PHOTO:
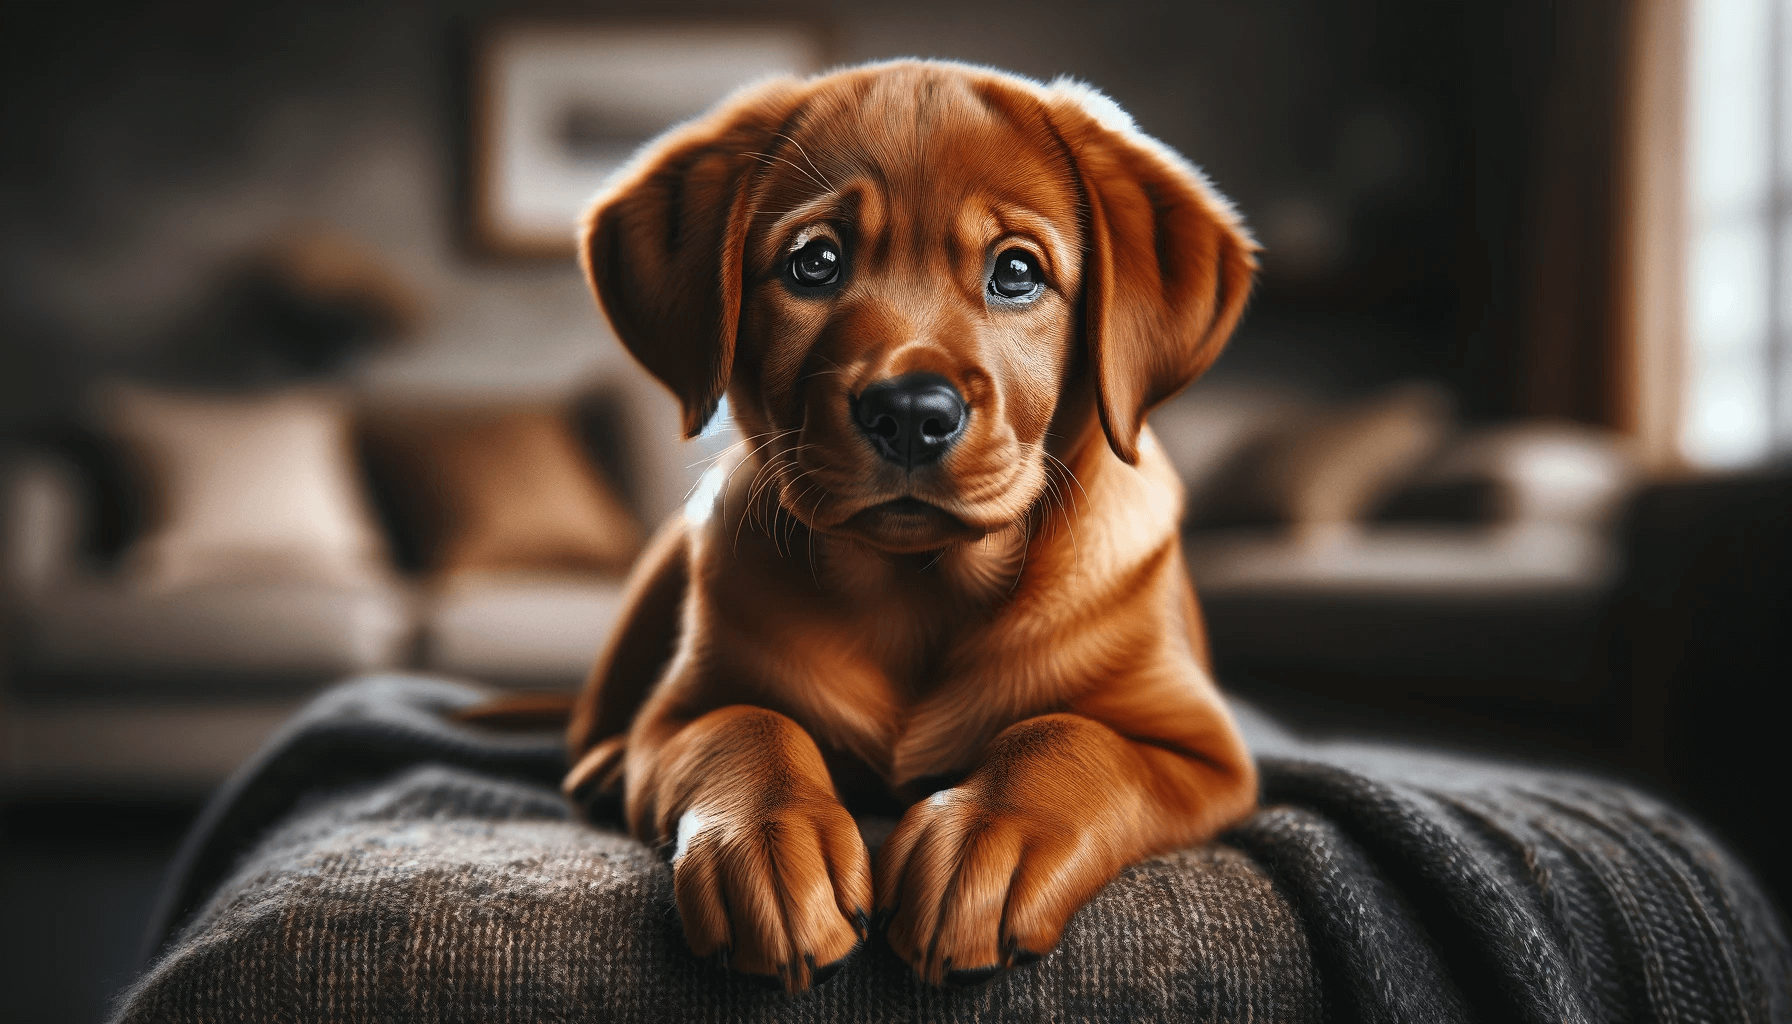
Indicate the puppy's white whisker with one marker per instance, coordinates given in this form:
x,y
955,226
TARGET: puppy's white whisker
x,y
811,163
1067,471
768,157
760,491
1026,545
1070,515
791,521
770,438
790,484
753,513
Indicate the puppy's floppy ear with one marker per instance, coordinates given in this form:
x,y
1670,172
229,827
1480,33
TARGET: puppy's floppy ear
x,y
1169,266
662,246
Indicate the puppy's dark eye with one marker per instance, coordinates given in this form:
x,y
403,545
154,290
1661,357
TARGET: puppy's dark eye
x,y
1016,275
815,265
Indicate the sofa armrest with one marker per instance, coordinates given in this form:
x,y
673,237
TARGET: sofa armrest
x,y
1523,473
41,521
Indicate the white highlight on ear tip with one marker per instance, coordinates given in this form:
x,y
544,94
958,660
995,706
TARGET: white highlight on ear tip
x,y
702,502
1098,104
940,799
689,824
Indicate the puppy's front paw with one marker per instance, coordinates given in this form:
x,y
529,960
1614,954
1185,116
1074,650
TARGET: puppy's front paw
x,y
779,891
970,888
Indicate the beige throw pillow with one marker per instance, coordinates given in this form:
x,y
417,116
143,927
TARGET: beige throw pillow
x,y
245,488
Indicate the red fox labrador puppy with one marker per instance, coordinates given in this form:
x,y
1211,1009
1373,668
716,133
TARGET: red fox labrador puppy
x,y
943,573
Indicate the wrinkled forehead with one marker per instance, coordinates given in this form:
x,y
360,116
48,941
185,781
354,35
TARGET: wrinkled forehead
x,y
923,154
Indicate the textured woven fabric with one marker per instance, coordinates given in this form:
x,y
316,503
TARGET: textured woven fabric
x,y
449,896
378,863
1452,890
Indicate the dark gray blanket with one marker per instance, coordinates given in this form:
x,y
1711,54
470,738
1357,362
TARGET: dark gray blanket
x,y
377,862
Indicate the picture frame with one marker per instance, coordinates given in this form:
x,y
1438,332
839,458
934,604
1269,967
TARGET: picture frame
x,y
556,107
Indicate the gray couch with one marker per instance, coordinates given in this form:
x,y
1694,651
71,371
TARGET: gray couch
x,y
1474,584
106,686
1506,589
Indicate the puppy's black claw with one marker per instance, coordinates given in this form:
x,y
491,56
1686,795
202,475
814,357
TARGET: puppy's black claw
x,y
1024,957
972,978
820,975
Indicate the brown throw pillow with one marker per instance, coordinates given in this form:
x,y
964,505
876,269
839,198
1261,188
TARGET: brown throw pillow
x,y
499,489
1331,465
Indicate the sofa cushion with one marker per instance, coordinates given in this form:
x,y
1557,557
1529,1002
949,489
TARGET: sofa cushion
x,y
519,629
248,635
1410,560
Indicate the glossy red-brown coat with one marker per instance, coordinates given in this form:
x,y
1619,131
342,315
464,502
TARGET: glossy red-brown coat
x,y
1022,666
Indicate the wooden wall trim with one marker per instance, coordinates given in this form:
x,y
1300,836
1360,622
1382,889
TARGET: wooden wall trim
x,y
1647,372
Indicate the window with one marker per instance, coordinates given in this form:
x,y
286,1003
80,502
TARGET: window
x,y
1738,388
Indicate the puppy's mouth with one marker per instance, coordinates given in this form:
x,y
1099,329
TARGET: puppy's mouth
x,y
909,507
908,524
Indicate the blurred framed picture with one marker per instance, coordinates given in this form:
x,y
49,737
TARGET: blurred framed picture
x,y
557,107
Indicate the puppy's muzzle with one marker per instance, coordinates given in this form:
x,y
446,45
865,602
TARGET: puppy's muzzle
x,y
913,419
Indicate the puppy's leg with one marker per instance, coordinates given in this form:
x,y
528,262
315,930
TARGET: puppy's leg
x,y
769,868
985,875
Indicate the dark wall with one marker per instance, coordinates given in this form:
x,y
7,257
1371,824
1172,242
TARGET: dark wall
x,y
1378,149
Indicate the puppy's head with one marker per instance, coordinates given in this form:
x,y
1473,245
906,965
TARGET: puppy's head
x,y
904,274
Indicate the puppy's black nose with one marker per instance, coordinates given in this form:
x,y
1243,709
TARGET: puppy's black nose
x,y
912,419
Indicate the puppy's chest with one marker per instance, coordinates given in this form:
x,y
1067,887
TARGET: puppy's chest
x,y
883,676
889,664
900,647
